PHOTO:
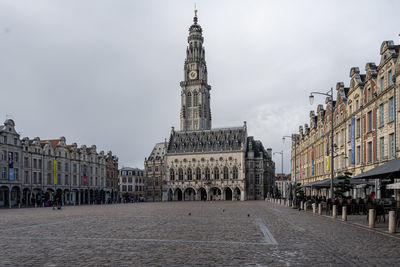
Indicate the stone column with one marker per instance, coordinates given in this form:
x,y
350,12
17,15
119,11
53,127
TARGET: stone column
x,y
371,218
344,213
334,211
62,197
79,197
20,198
30,197
392,222
9,198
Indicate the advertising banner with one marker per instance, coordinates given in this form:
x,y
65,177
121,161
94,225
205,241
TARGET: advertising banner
x,y
10,166
55,172
327,163
10,160
352,156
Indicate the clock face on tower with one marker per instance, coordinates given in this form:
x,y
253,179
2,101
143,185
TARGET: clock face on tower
x,y
193,74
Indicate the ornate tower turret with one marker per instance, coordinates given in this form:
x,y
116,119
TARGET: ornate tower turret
x,y
195,94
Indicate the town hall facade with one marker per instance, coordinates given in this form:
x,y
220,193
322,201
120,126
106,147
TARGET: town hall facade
x,y
199,162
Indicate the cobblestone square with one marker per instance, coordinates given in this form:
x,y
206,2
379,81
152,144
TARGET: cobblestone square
x,y
187,233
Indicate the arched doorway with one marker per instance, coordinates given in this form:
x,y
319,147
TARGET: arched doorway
x,y
59,196
37,197
75,196
102,196
66,196
189,194
48,197
25,197
228,194
202,193
108,197
86,196
91,196
215,193
4,192
178,194
236,193
15,196
170,195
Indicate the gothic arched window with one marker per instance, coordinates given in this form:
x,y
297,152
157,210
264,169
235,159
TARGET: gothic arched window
x,y
189,174
195,95
180,174
207,174
189,99
235,173
216,173
198,173
226,173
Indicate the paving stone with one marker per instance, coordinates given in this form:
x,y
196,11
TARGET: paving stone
x,y
163,234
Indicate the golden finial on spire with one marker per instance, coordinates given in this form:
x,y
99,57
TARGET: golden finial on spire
x,y
195,10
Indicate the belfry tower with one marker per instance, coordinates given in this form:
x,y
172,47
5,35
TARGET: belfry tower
x,y
195,94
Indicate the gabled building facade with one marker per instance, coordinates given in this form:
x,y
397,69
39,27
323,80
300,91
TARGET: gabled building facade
x,y
366,123
36,172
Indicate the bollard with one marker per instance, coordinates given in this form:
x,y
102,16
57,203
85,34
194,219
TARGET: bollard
x,y
334,211
344,213
305,206
301,205
371,218
392,222
313,207
320,209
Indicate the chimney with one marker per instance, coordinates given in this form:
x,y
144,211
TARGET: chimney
x,y
269,152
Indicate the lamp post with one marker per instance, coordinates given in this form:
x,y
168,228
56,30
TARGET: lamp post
x,y
329,94
294,136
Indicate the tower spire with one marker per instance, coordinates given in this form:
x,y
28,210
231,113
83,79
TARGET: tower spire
x,y
195,14
195,95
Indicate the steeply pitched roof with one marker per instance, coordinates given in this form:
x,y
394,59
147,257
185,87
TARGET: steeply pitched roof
x,y
158,151
220,139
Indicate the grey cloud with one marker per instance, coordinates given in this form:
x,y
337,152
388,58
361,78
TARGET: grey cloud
x,y
108,72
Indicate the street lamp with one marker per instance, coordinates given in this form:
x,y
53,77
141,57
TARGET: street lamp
x,y
329,94
294,136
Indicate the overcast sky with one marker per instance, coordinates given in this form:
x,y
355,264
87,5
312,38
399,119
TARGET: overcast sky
x,y
108,72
